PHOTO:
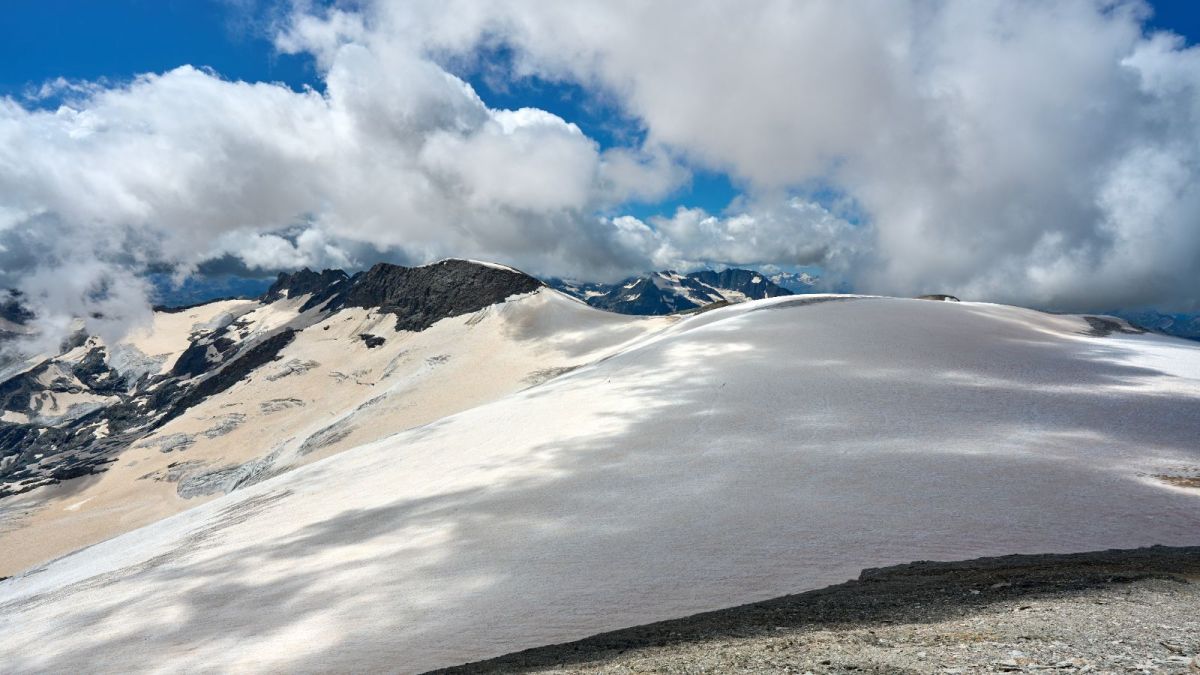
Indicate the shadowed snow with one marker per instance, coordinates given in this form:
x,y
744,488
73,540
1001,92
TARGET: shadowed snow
x,y
737,456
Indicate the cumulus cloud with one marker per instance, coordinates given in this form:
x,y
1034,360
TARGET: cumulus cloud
x,y
1038,152
794,232
270,251
1035,152
396,154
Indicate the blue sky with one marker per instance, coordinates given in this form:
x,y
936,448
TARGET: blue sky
x,y
81,40
116,39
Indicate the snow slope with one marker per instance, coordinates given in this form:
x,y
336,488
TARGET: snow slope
x,y
676,476
327,392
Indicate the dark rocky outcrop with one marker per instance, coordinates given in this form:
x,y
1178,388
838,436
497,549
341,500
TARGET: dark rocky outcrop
x,y
94,372
16,392
417,296
65,452
232,373
307,282
1102,326
422,296
938,296
372,341
1184,325
916,618
748,282
204,353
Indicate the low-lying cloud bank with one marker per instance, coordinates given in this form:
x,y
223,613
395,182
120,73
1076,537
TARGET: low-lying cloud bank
x,y
1029,152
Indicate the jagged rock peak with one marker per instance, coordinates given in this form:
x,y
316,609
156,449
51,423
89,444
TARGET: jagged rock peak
x,y
303,282
753,284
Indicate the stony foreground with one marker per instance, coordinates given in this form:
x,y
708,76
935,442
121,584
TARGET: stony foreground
x,y
1105,612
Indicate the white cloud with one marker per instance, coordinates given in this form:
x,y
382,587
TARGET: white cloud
x,y
794,232
982,140
269,251
396,154
523,159
1037,152
644,174
108,299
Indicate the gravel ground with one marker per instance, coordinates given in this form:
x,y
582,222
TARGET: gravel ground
x,y
1104,612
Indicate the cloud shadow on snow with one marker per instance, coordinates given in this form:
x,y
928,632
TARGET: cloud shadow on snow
x,y
839,471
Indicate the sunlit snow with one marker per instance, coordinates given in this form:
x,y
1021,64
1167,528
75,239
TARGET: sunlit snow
x,y
747,452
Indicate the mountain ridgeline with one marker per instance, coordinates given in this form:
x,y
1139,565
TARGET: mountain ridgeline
x,y
668,291
71,414
417,296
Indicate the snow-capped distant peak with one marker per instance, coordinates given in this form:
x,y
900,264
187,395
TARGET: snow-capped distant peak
x,y
669,291
796,282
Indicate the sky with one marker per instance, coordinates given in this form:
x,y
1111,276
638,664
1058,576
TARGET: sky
x,y
1038,153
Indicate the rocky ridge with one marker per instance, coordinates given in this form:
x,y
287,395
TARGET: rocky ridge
x,y
70,414
1114,611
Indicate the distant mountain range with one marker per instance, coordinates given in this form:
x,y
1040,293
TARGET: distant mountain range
x,y
668,291
1179,325
798,282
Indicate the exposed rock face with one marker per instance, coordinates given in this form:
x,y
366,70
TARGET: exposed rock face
x,y
644,297
261,354
67,418
372,341
417,296
749,283
938,296
422,296
900,619
16,393
203,354
95,374
1103,326
305,281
